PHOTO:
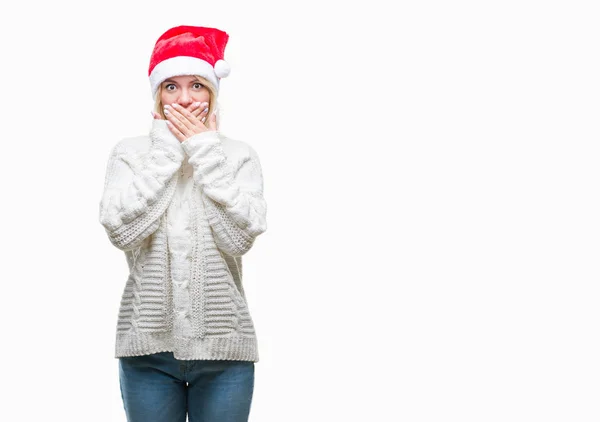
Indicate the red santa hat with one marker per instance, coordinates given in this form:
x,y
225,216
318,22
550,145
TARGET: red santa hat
x,y
189,50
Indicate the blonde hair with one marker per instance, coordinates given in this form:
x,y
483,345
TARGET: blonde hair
x,y
212,106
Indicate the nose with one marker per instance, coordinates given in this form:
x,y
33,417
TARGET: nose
x,y
185,99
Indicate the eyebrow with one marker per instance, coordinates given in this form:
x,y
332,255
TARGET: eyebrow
x,y
173,82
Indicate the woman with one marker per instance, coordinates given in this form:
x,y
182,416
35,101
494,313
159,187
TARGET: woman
x,y
184,204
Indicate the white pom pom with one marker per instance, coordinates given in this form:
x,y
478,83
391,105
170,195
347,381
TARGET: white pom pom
x,y
222,68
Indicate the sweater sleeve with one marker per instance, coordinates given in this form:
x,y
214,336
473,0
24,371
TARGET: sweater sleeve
x,y
138,189
233,192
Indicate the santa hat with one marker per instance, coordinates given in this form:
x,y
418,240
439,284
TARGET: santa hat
x,y
189,50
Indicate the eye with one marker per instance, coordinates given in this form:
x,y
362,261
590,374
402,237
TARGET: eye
x,y
198,85
168,87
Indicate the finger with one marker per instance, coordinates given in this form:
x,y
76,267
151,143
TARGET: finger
x,y
192,122
155,115
212,121
181,122
200,109
184,116
178,120
195,109
204,116
175,123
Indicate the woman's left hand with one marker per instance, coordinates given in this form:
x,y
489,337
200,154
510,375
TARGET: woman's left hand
x,y
184,124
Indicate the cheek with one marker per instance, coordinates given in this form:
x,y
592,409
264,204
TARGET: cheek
x,y
165,97
203,96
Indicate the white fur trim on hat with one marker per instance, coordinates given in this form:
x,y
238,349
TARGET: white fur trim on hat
x,y
179,66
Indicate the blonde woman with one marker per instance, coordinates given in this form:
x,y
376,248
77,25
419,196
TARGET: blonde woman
x,y
185,203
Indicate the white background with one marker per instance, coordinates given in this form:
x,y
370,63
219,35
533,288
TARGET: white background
x,y
432,178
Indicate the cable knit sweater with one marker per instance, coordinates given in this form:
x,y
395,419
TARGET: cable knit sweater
x,y
184,213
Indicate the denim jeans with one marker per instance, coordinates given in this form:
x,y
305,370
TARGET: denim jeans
x,y
160,388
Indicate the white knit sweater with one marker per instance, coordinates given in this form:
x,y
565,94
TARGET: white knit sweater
x,y
184,213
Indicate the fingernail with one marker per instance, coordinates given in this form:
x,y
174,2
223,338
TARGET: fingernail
x,y
175,105
196,105
205,110
203,119
166,111
205,104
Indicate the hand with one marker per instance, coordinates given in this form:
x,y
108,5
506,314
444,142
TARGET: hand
x,y
184,124
197,110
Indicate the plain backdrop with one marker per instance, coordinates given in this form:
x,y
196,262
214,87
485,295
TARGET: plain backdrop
x,y
431,174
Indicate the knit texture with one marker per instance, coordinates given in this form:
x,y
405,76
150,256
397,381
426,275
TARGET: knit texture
x,y
184,214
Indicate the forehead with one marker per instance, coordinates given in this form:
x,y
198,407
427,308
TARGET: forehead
x,y
181,79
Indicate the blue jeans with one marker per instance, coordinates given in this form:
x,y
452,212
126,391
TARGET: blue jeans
x,y
160,388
